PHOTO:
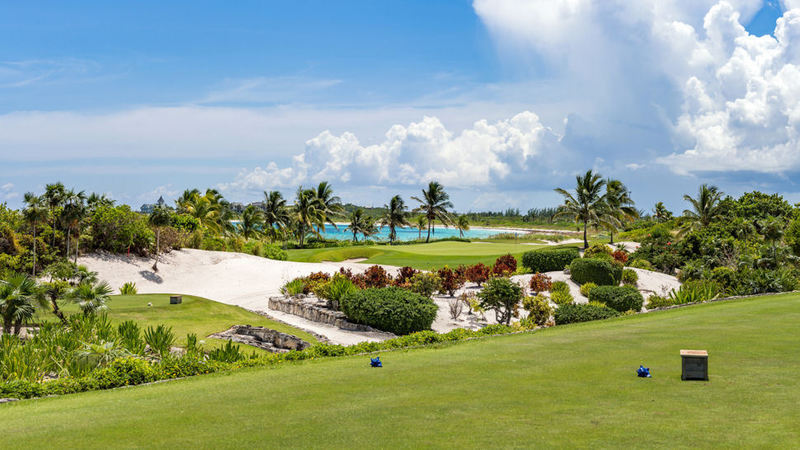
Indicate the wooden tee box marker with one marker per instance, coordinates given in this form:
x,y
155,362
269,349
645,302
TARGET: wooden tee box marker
x,y
694,365
175,299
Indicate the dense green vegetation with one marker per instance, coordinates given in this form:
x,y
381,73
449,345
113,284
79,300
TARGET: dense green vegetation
x,y
565,386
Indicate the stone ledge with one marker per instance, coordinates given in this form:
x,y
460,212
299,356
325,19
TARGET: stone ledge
x,y
306,309
263,338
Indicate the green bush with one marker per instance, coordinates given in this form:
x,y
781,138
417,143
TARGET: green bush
x,y
582,312
598,271
390,309
124,372
586,288
128,288
335,290
601,251
641,264
559,286
501,295
425,283
620,298
539,309
561,297
294,287
160,339
273,251
549,260
117,229
629,277
657,301
696,291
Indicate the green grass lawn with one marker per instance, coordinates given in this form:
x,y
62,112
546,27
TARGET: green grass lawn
x,y
195,315
571,386
418,256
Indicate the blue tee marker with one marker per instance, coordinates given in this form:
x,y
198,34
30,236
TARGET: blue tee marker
x,y
643,372
375,362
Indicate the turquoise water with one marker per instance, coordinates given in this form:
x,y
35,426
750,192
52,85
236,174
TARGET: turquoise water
x,y
407,233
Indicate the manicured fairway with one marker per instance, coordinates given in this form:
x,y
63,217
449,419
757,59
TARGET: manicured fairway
x,y
568,386
195,315
419,256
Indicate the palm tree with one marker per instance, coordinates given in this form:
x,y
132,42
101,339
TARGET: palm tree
x,y
276,214
95,201
434,206
17,294
357,222
462,224
705,208
54,197
252,219
587,204
421,224
661,213
53,292
395,216
35,213
204,209
370,227
73,214
159,218
328,204
306,214
92,297
619,205
185,199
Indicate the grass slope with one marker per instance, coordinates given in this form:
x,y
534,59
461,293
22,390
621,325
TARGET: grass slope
x,y
195,315
567,386
418,256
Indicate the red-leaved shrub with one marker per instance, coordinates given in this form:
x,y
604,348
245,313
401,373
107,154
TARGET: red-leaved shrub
x,y
450,279
404,276
376,277
621,256
540,282
505,266
478,273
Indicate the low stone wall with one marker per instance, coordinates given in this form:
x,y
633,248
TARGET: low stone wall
x,y
264,338
306,309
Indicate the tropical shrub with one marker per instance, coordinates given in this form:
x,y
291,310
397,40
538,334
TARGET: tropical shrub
x,y
629,277
559,286
478,273
598,251
294,287
641,264
425,283
586,288
451,281
160,339
620,298
620,256
125,372
335,290
128,288
561,297
404,276
582,312
549,260
456,307
695,291
657,301
390,309
598,271
273,251
539,309
540,282
118,229
503,296
376,277
227,353
131,337
505,266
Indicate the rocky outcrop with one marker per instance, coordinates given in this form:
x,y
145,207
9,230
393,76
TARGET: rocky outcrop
x,y
264,338
316,311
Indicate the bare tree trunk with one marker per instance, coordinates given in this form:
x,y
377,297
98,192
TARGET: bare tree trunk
x,y
585,241
158,245
33,271
77,244
7,325
17,327
429,232
69,233
611,232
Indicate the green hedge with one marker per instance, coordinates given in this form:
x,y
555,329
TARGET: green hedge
x,y
619,298
392,309
582,312
597,271
549,260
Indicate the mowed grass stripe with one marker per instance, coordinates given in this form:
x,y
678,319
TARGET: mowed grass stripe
x,y
567,386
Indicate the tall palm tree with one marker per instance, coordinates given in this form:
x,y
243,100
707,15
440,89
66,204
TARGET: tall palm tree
x,y
158,219
95,201
92,297
395,216
462,224
586,205
252,220
54,197
433,205
328,204
73,215
306,214
370,227
188,196
276,214
357,222
204,210
620,206
17,295
704,209
661,213
35,213
421,224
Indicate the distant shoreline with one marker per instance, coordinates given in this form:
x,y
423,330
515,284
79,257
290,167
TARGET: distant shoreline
x,y
500,229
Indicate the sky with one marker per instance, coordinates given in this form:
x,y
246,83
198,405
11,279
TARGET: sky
x,y
499,100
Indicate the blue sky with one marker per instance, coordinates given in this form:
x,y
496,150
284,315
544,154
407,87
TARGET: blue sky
x,y
140,99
